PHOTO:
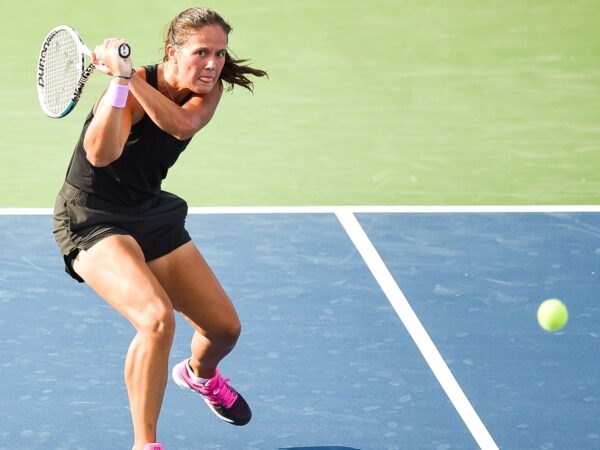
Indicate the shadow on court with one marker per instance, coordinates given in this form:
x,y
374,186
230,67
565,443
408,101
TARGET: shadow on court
x,y
319,448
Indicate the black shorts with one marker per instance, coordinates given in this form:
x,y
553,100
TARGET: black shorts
x,y
81,220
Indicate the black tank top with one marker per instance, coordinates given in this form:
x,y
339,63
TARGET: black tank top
x,y
136,176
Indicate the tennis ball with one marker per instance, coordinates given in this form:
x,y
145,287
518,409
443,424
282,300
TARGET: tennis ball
x,y
552,315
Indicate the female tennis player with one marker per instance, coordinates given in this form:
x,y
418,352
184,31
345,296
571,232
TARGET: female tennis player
x,y
125,237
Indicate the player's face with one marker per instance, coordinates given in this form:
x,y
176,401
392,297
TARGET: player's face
x,y
201,59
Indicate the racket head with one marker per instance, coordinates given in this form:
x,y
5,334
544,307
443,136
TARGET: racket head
x,y
61,71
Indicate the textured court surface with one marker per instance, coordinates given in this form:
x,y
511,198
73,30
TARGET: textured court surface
x,y
324,359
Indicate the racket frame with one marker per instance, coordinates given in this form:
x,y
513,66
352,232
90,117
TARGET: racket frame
x,y
84,72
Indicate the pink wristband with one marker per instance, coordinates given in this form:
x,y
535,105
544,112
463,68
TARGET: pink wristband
x,y
116,94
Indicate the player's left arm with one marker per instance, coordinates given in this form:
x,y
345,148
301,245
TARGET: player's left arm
x,y
182,121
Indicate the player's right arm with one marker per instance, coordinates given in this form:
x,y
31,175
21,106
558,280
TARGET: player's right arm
x,y
107,132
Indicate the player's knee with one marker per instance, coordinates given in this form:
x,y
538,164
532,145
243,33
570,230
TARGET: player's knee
x,y
224,334
158,325
229,333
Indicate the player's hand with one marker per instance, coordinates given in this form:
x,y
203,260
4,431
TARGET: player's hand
x,y
107,59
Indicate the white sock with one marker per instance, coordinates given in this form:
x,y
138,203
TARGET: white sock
x,y
196,379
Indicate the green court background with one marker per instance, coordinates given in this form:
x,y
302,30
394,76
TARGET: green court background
x,y
368,103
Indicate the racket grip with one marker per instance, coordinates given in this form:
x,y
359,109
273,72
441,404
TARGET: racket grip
x,y
124,50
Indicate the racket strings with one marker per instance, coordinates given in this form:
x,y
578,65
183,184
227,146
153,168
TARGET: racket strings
x,y
62,72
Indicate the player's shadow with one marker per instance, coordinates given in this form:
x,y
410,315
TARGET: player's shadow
x,y
334,447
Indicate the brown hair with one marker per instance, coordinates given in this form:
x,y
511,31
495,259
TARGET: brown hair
x,y
185,23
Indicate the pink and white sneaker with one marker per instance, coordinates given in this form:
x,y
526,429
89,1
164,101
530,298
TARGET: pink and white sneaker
x,y
155,446
222,399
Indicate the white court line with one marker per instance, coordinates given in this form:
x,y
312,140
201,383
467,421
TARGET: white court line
x,y
393,209
354,209
25,211
416,330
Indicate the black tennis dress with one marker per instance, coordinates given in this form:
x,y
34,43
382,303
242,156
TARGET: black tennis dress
x,y
124,197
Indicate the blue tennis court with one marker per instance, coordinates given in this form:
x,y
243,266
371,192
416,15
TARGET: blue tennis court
x,y
324,359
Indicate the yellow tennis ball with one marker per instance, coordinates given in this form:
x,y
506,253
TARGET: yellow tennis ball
x,y
552,315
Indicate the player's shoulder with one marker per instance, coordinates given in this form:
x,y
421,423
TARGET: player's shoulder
x,y
199,99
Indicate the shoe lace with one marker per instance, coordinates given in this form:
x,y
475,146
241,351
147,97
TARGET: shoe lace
x,y
221,393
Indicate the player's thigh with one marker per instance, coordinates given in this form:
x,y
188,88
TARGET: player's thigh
x,y
195,291
115,268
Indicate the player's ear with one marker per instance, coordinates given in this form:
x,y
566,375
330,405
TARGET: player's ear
x,y
171,52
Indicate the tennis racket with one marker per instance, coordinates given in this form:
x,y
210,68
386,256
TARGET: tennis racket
x,y
61,71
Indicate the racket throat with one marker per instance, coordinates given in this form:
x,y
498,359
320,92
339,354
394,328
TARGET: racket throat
x,y
82,80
